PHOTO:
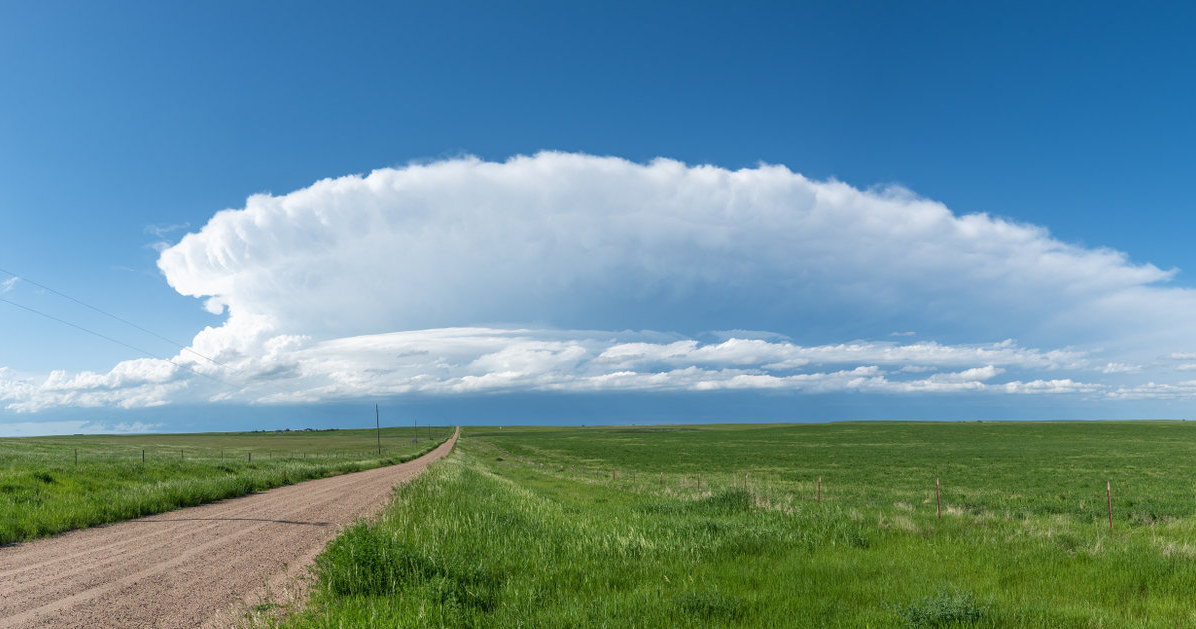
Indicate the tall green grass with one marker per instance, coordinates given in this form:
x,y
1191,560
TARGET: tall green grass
x,y
530,528
43,491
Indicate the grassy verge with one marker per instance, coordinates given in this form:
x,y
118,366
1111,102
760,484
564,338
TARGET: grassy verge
x,y
517,529
44,492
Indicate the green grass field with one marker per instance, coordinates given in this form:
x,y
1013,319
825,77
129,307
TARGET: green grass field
x,y
575,527
53,484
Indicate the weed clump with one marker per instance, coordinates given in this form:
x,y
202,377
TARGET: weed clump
x,y
370,561
367,561
946,607
710,605
727,501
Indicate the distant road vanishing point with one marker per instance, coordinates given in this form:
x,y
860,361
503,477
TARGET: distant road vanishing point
x,y
200,566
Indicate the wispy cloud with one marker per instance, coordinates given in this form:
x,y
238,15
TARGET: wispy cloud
x,y
162,231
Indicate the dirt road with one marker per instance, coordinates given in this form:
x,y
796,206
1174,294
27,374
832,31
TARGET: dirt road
x,y
200,566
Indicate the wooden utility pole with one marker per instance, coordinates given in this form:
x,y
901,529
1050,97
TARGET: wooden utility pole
x,y
378,427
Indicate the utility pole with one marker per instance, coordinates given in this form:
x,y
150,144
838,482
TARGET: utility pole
x,y
415,421
378,427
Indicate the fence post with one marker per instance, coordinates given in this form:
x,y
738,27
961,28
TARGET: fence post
x,y
143,456
251,456
938,496
819,490
1109,495
76,456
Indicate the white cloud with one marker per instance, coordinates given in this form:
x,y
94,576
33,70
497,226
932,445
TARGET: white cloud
x,y
131,384
1058,386
481,360
389,283
489,360
8,284
1154,390
573,240
788,356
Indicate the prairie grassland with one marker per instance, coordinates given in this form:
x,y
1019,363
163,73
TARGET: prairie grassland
x,y
572,527
44,491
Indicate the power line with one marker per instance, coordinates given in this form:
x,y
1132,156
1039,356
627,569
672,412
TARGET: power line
x,y
108,314
109,338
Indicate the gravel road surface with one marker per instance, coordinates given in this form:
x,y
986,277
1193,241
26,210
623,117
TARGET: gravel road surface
x,y
200,566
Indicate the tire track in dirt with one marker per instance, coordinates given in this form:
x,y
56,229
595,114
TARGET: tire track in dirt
x,y
198,566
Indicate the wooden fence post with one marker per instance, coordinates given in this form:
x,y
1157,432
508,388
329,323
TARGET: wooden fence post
x,y
1109,495
938,496
819,490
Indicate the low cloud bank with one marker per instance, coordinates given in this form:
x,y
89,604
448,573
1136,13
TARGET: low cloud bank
x,y
488,360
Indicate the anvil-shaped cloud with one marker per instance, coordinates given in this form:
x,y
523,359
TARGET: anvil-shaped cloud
x,y
570,272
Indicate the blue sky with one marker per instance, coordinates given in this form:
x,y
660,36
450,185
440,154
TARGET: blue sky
x,y
613,212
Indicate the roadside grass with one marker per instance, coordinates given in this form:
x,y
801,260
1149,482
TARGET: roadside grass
x,y
551,527
44,492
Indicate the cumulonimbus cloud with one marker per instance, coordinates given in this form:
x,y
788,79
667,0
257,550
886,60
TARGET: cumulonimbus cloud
x,y
576,241
465,275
